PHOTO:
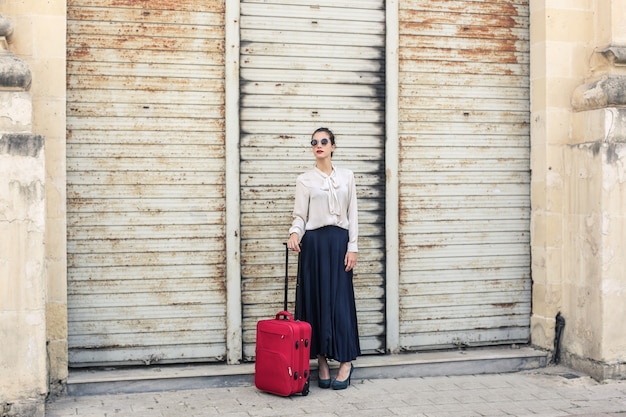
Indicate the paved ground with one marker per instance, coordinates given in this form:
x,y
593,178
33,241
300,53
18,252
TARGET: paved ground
x,y
550,391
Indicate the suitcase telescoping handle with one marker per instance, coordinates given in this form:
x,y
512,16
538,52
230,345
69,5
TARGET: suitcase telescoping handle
x,y
287,276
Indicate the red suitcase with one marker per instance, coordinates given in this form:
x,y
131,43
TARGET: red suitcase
x,y
282,364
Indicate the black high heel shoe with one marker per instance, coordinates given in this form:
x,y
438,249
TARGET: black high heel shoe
x,y
343,384
323,383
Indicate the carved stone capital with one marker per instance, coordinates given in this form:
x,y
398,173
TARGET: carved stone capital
x,y
14,72
608,91
616,54
6,27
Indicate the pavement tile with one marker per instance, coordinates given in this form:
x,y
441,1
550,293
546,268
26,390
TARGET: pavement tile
x,y
608,406
542,406
469,398
424,409
604,391
374,404
498,395
496,382
229,414
554,413
396,385
483,410
442,413
442,398
405,412
512,409
543,393
413,400
443,384
459,408
618,414
469,382
362,413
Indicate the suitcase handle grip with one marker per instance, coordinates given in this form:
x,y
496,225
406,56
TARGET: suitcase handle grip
x,y
287,274
285,315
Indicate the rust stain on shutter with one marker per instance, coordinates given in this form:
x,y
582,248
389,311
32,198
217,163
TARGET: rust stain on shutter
x,y
146,194
464,173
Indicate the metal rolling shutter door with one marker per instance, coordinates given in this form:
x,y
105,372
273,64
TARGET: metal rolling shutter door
x,y
464,173
305,66
145,182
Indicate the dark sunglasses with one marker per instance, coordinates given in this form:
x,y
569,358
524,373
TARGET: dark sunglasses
x,y
324,142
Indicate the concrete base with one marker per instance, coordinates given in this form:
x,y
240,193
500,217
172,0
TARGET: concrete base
x,y
178,377
31,408
599,371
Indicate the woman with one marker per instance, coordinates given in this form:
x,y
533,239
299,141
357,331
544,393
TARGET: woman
x,y
325,231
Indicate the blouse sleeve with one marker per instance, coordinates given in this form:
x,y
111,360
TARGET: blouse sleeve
x,y
300,209
353,217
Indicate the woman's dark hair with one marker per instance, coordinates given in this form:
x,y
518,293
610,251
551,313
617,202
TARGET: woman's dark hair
x,y
331,136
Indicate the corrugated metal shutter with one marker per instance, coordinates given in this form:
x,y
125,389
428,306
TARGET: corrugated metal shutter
x,y
304,66
464,173
145,173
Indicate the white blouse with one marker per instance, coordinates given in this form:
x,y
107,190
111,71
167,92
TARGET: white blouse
x,y
326,200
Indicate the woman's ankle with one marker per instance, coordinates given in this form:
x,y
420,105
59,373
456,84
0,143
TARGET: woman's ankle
x,y
344,370
323,369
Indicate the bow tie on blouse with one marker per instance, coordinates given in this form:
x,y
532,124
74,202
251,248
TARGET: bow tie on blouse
x,y
330,184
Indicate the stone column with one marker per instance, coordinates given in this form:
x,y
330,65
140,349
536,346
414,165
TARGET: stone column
x,y
596,231
595,226
23,368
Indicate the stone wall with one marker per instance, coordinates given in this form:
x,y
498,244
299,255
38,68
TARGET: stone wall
x,y
558,47
23,364
596,230
23,374
39,40
578,156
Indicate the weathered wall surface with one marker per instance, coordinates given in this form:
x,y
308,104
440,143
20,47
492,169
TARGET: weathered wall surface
x,y
23,364
23,383
39,39
555,48
578,150
595,285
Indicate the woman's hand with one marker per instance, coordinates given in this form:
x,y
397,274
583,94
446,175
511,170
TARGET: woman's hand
x,y
350,260
293,242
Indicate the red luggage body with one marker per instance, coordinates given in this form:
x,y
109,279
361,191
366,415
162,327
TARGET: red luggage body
x,y
282,364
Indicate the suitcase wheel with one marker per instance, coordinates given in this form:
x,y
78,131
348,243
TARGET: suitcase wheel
x,y
305,389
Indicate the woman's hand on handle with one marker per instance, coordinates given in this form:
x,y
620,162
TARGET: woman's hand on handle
x,y
293,242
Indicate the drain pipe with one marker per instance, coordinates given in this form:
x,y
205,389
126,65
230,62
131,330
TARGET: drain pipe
x,y
558,332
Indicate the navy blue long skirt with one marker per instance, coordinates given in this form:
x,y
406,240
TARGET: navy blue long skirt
x,y
325,295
